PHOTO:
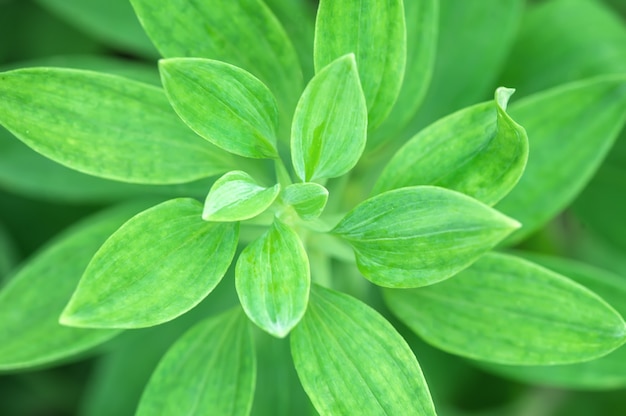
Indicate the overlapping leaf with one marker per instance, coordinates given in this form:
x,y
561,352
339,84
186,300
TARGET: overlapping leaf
x,y
307,198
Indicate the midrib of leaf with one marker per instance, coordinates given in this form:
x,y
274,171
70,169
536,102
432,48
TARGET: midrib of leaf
x,y
413,237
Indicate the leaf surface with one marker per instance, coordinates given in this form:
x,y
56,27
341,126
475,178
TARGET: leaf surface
x,y
307,198
330,123
349,357
417,236
210,370
375,32
157,266
273,280
105,126
506,310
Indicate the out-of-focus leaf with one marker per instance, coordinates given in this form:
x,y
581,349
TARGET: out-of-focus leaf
x,y
168,252
506,310
419,235
224,104
330,123
566,145
211,370
31,302
374,31
273,280
105,125
307,198
349,357
8,254
480,151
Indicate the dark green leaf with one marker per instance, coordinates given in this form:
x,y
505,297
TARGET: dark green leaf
x,y
211,370
273,280
330,124
105,125
420,235
167,252
349,357
506,310
307,198
375,32
8,255
479,151
224,104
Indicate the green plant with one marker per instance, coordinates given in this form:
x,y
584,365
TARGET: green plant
x,y
324,196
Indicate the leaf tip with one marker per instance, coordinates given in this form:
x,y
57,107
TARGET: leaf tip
x,y
502,96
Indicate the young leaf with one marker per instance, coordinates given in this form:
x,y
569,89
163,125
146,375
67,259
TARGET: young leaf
x,y
157,266
236,197
308,199
31,302
273,279
420,235
330,124
506,310
105,125
349,357
479,151
211,370
558,169
224,104
243,33
374,30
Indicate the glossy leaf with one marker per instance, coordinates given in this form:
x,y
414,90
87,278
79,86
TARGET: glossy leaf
x,y
236,196
480,151
211,370
224,104
105,126
420,235
31,302
225,30
349,357
330,124
506,310
273,279
567,146
375,32
307,198
167,252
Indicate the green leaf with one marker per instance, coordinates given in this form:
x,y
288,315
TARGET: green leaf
x,y
506,310
211,370
31,302
168,252
224,104
105,126
558,169
243,33
236,196
349,357
330,124
420,235
273,280
603,373
8,255
479,151
375,32
307,198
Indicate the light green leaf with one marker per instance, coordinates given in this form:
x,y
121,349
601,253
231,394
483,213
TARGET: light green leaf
x,y
273,280
243,33
236,196
374,30
567,146
603,373
506,310
349,357
307,198
479,151
105,126
224,104
420,235
31,302
211,370
330,124
168,252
